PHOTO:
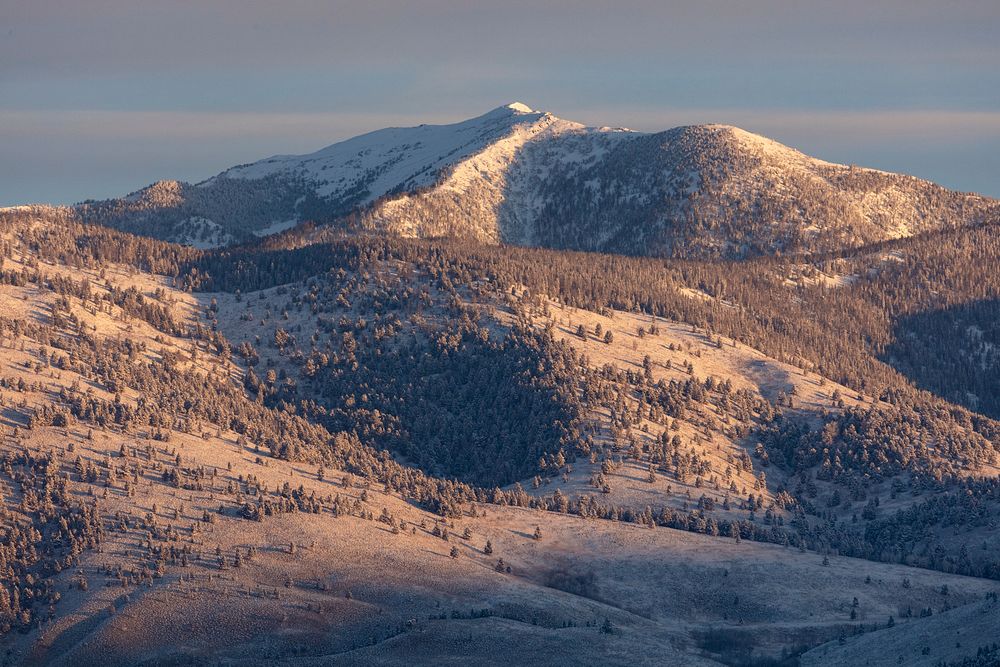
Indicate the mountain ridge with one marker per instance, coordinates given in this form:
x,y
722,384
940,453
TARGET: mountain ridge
x,y
525,177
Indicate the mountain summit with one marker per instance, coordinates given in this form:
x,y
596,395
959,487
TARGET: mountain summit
x,y
520,107
520,176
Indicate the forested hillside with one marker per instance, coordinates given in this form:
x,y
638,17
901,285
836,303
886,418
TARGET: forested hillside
x,y
176,420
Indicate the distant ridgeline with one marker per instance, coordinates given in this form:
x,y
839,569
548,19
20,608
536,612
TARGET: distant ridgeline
x,y
524,177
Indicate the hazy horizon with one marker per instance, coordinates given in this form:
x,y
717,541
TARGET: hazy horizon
x,y
103,99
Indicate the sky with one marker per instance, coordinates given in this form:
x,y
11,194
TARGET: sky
x,y
103,97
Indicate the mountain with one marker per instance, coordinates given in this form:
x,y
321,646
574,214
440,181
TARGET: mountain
x,y
383,450
525,177
350,444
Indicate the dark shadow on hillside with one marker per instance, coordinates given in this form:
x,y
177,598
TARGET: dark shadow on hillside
x,y
953,352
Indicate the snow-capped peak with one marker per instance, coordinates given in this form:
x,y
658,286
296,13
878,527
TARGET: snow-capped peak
x,y
362,169
519,111
520,107
517,175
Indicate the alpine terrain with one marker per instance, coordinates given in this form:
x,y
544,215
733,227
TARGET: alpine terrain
x,y
508,391
525,177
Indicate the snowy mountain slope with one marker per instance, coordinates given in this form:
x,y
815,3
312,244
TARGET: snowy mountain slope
x,y
521,176
706,191
359,170
499,193
275,193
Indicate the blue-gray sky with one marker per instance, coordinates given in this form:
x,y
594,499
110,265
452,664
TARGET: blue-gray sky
x,y
99,98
